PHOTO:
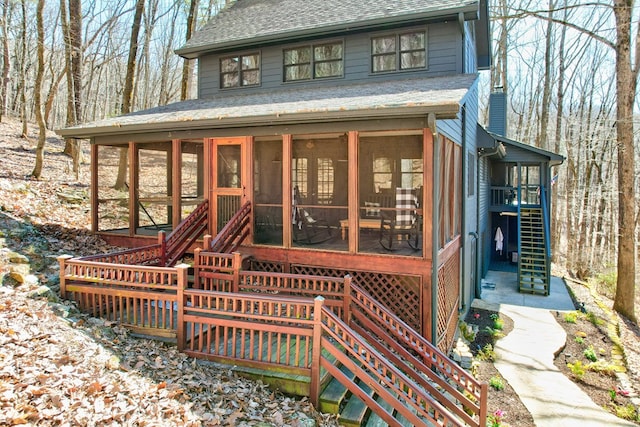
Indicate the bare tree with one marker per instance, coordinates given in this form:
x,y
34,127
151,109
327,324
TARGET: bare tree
x,y
42,136
6,59
187,69
127,94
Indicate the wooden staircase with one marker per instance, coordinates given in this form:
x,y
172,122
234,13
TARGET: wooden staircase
x,y
533,259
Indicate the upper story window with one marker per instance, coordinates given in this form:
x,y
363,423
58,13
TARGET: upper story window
x,y
395,52
313,62
240,70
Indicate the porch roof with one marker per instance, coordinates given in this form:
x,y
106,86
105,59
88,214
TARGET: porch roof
x,y
489,140
365,101
253,22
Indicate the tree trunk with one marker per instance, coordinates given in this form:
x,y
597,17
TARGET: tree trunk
x,y
23,71
187,69
127,94
626,77
6,60
37,170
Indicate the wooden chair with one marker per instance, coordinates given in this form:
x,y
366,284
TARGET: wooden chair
x,y
403,223
306,228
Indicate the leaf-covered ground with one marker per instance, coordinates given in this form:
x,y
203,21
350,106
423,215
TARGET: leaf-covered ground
x,y
60,367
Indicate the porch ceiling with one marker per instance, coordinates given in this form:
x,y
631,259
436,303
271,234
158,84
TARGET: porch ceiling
x,y
388,99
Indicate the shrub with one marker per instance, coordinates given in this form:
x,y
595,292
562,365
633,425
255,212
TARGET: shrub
x,y
487,353
580,340
590,354
577,369
496,382
571,317
498,323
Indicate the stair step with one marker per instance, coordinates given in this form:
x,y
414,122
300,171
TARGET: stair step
x,y
355,410
335,393
374,420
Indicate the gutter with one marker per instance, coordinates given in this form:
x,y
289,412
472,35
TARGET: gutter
x,y
443,112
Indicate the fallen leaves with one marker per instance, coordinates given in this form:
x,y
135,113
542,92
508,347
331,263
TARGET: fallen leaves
x,y
80,370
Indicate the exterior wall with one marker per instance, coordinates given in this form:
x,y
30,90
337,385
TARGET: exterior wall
x,y
484,192
470,64
444,56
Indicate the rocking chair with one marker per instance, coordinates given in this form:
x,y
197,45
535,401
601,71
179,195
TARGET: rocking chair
x,y
403,223
306,228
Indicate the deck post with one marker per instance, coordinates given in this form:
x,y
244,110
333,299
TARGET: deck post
x,y
182,271
206,244
484,392
162,241
62,260
316,352
237,266
196,268
346,309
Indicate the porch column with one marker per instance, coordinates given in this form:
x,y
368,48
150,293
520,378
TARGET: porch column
x,y
133,188
176,182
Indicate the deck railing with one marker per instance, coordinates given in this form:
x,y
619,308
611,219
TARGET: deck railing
x,y
143,298
287,323
145,255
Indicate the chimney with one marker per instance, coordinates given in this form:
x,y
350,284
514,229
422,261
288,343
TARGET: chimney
x,y
498,112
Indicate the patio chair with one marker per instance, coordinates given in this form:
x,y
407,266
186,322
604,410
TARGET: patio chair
x,y
308,229
402,223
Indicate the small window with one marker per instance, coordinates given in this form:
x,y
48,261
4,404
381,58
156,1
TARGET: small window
x,y
407,51
240,70
313,62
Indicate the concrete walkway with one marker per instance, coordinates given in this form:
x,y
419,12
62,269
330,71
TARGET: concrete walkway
x,y
525,356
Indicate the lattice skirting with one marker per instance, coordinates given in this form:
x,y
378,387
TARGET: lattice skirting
x,y
448,297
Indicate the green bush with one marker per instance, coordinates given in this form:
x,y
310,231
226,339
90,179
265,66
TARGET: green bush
x,y
496,382
590,354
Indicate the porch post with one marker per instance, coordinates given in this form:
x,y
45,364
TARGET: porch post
x,y
94,188
176,182
435,228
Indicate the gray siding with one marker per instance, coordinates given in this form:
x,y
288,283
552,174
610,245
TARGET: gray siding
x,y
470,54
517,154
444,49
484,193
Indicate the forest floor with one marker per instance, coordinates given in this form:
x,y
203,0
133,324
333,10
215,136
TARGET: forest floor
x,y
60,367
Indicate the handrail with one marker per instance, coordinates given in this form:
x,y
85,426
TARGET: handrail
x,y
185,234
394,387
233,233
145,255
547,232
372,319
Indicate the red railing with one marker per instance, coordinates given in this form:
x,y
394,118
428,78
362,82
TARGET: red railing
x,y
185,234
270,321
143,298
145,255
233,233
418,359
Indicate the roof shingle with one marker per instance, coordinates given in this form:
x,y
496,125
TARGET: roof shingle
x,y
365,100
253,21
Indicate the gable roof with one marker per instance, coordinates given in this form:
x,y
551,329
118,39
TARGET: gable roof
x,y
254,22
396,98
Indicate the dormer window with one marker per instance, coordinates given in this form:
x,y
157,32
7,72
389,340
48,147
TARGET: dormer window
x,y
313,62
397,52
240,70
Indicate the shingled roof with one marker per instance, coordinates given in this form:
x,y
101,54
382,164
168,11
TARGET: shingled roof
x,y
263,21
396,98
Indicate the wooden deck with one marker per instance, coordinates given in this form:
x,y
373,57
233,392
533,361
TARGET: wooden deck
x,y
296,332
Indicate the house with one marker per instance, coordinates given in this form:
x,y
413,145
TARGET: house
x,y
334,150
320,115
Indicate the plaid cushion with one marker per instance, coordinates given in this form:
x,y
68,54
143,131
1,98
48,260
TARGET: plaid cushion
x,y
372,209
406,205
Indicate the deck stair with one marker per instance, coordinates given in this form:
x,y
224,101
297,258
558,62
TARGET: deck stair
x,y
533,259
